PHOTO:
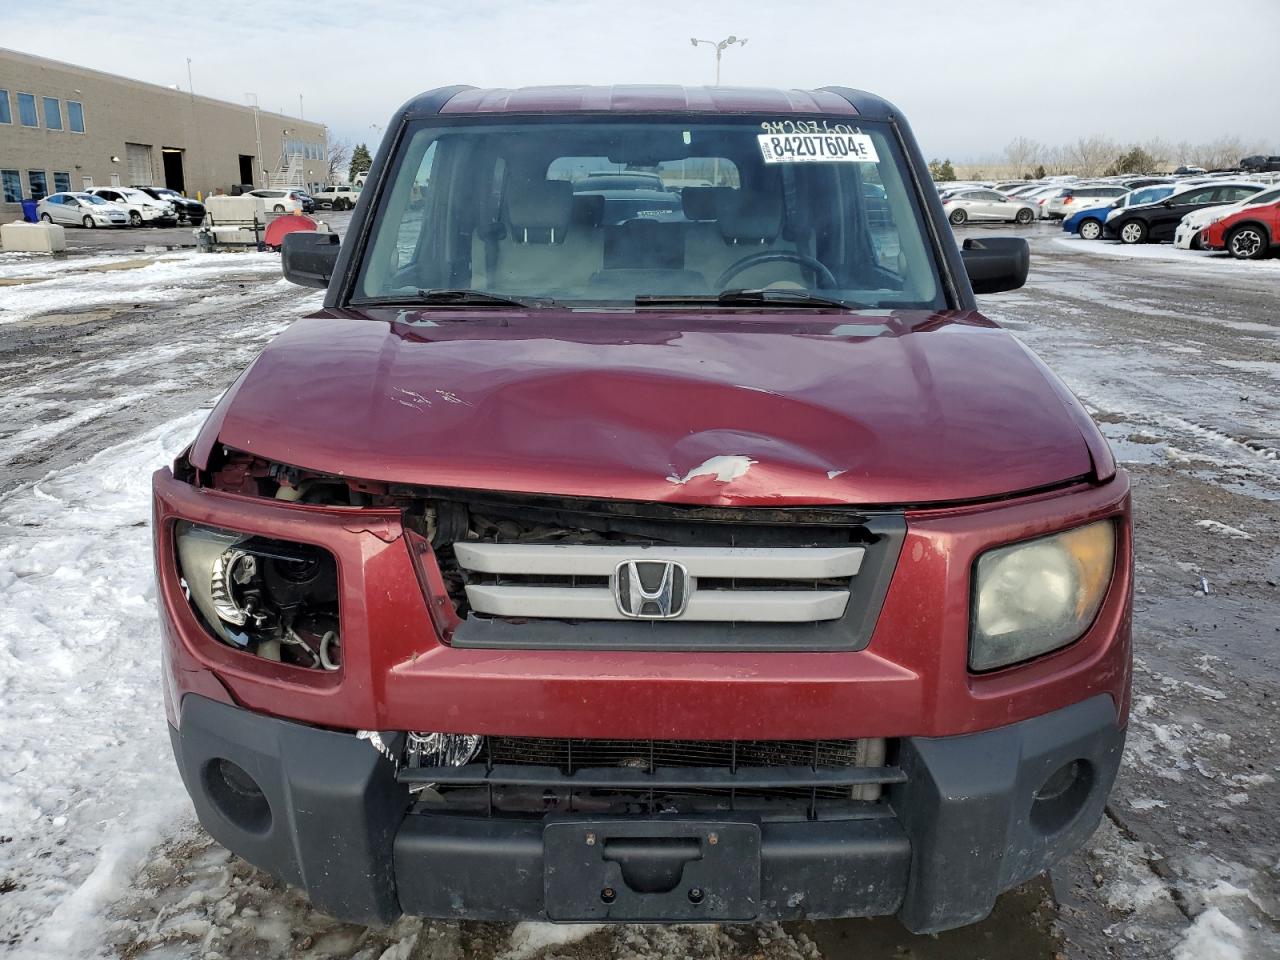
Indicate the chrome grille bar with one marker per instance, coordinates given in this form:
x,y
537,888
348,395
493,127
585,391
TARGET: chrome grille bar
x,y
742,584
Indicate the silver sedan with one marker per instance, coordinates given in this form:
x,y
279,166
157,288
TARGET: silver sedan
x,y
965,205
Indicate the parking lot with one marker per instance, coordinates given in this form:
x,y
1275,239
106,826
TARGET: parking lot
x,y
109,359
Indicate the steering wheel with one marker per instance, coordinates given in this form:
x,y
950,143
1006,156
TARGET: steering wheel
x,y
826,279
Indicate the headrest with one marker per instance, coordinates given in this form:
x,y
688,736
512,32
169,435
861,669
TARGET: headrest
x,y
700,202
749,217
540,210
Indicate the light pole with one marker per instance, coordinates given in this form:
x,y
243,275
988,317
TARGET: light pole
x,y
720,48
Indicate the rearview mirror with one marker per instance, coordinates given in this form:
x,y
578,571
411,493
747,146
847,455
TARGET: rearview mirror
x,y
996,264
308,258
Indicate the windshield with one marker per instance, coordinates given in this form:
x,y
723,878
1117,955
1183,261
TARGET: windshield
x,y
601,211
90,198
1146,195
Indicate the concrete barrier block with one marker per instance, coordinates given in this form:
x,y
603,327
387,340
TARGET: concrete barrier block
x,y
23,237
224,209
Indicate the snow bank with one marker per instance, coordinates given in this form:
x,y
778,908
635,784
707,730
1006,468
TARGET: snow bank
x,y
86,782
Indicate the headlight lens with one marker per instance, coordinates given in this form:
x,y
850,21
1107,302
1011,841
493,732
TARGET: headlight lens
x,y
1034,597
273,598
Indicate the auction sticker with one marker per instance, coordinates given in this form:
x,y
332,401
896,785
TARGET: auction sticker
x,y
817,148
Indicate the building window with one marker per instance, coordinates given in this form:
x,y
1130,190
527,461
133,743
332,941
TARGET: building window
x,y
5,115
75,116
12,186
61,182
52,113
27,110
39,185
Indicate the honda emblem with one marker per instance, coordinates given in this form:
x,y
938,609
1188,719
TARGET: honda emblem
x,y
651,589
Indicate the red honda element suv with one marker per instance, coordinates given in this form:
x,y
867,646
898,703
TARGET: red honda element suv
x,y
650,527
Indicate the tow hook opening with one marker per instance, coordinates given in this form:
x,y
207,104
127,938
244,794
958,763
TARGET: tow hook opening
x,y
1062,796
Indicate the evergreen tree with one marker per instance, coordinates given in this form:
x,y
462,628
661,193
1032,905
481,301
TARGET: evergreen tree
x,y
361,161
941,171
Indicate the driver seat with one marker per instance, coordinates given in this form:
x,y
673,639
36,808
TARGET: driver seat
x,y
745,222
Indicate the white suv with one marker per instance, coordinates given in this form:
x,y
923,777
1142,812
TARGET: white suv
x,y
340,196
140,207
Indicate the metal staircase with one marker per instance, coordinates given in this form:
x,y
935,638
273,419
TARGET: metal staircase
x,y
288,173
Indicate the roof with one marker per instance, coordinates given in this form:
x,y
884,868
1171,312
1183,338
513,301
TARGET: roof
x,y
649,99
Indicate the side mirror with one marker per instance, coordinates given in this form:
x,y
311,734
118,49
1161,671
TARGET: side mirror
x,y
1166,203
996,264
308,258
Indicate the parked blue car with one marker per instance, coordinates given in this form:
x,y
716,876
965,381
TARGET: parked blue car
x,y
1088,223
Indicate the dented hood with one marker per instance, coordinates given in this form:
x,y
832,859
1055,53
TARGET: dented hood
x,y
904,408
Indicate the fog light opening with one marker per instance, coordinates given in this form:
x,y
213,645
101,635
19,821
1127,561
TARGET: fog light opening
x,y
237,796
1062,796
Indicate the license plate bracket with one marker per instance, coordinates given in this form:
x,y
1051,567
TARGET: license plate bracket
x,y
651,870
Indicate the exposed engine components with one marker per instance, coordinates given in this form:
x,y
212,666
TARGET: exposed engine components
x,y
272,598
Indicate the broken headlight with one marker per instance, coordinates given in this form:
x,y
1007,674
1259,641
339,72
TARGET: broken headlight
x,y
273,598
1033,597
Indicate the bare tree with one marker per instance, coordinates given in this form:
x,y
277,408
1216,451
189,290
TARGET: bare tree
x,y
1022,154
1225,151
1090,156
339,156
1160,151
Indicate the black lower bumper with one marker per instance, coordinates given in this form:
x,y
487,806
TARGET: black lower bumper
x,y
977,815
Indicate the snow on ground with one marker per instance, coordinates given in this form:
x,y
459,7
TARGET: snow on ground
x,y
1166,251
148,278
88,790
86,785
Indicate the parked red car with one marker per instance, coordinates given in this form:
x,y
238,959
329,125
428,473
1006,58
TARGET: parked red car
x,y
1249,233
723,565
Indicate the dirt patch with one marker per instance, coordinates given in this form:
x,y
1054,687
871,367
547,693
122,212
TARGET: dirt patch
x,y
137,264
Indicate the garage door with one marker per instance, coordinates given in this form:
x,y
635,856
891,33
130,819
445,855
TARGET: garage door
x,y
138,156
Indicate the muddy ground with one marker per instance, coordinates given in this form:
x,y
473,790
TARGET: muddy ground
x,y
1179,362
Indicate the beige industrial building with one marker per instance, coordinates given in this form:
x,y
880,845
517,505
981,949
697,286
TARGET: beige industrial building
x,y
64,127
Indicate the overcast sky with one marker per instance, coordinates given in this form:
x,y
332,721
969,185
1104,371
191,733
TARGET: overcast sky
x,y
970,76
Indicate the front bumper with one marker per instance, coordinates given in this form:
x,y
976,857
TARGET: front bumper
x,y
963,826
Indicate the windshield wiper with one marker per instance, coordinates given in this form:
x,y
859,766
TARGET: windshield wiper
x,y
748,297
460,297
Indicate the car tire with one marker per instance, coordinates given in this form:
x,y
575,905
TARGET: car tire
x,y
1133,231
958,216
46,218
1247,242
135,218
88,222
1090,230
1025,215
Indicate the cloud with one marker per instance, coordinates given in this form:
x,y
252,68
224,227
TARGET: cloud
x,y
970,79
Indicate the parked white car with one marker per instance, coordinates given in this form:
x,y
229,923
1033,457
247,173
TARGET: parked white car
x,y
1039,198
1186,237
141,208
1070,199
277,201
964,205
340,196
81,210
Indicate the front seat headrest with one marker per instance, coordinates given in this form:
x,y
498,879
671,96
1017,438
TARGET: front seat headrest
x,y
749,217
699,203
540,211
